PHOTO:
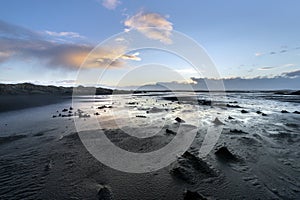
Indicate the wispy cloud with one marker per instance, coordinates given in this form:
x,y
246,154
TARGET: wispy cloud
x,y
292,74
258,54
19,43
266,68
282,51
274,67
64,34
132,56
152,25
110,4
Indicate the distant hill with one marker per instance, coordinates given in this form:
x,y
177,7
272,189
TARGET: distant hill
x,y
31,89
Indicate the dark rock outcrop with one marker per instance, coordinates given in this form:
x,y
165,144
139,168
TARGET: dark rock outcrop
x,y
179,120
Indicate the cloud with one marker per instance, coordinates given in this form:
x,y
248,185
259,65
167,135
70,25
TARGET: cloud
x,y
132,56
292,74
289,65
19,43
266,68
64,34
160,30
258,54
274,67
110,4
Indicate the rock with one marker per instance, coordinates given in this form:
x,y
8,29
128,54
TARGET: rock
x,y
229,117
258,112
232,106
218,122
179,120
264,114
244,111
237,131
296,112
64,110
190,195
101,107
96,113
225,154
170,132
54,116
104,193
71,108
284,111
70,111
141,116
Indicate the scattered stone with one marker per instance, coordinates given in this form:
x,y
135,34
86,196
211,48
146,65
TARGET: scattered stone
x,y
264,114
70,111
296,112
284,111
54,116
179,120
141,116
101,107
96,113
104,193
244,111
64,110
190,195
232,106
258,112
71,108
170,132
229,117
218,122
225,154
237,131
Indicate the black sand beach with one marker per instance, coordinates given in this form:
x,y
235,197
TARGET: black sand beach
x,y
256,157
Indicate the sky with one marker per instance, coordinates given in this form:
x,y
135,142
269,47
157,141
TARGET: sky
x,y
46,42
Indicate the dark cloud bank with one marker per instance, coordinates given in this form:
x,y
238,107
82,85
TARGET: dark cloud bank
x,y
289,81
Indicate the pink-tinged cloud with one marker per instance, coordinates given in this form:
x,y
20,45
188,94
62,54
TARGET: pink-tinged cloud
x,y
110,4
160,27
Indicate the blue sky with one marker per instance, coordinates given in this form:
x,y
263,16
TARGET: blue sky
x,y
245,39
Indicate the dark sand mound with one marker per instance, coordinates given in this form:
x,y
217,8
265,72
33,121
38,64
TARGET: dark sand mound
x,y
189,195
191,169
224,154
105,193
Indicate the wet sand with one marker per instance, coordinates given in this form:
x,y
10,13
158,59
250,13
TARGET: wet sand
x,y
43,157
